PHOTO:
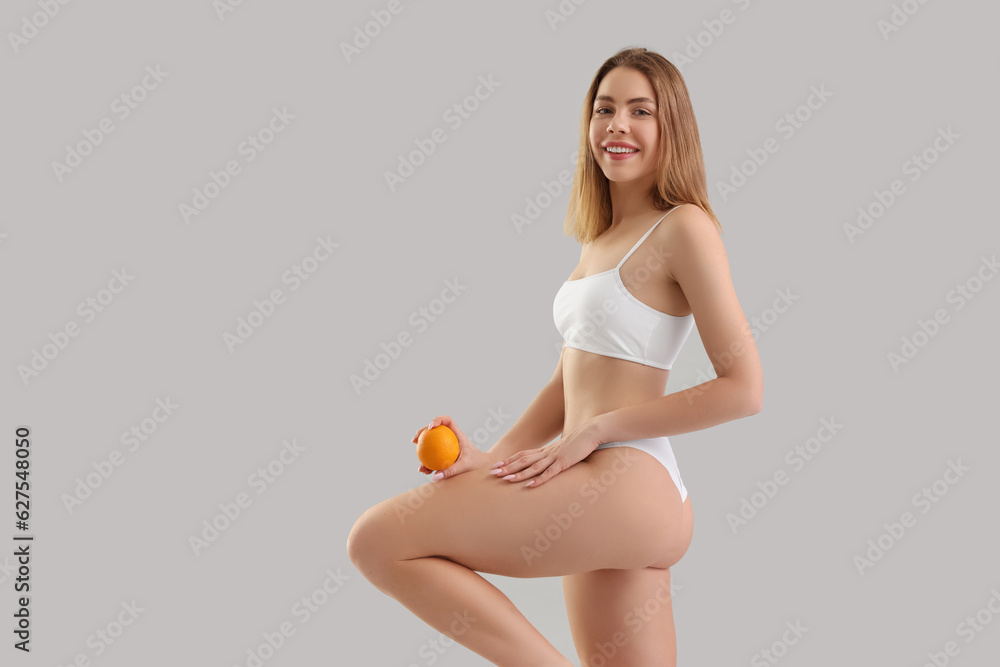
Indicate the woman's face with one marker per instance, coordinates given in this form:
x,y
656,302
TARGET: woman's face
x,y
625,113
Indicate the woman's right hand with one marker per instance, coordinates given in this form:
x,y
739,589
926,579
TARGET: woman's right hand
x,y
470,457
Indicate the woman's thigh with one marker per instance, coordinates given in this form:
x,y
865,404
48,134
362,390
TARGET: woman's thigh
x,y
621,617
594,515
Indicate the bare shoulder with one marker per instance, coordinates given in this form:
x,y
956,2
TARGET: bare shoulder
x,y
691,219
692,237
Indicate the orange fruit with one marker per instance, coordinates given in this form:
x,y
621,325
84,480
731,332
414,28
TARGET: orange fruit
x,y
437,448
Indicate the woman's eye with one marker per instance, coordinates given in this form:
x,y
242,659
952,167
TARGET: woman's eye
x,y
644,112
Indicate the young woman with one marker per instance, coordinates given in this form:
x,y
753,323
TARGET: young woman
x,y
604,506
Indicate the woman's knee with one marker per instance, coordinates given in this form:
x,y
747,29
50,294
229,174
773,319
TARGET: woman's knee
x,y
366,544
355,541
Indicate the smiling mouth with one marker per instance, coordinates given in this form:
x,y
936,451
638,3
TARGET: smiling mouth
x,y
619,150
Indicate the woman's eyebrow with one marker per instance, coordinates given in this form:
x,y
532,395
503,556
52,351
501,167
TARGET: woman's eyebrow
x,y
608,98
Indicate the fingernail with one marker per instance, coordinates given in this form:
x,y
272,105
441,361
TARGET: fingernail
x,y
430,426
437,476
495,471
498,464
530,483
509,476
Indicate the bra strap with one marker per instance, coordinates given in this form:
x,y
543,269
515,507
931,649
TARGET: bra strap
x,y
639,242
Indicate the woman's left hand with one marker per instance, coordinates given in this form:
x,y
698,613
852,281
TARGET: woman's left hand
x,y
542,464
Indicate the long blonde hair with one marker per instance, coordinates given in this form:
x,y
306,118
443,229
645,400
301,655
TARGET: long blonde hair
x,y
680,172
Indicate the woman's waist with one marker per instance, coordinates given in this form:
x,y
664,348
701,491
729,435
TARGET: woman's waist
x,y
581,407
585,370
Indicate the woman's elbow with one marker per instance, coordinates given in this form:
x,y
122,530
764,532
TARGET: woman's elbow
x,y
757,395
753,397
747,394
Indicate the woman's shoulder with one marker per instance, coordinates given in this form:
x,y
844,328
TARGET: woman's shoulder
x,y
688,219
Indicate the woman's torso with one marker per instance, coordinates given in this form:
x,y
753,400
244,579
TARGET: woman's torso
x,y
594,384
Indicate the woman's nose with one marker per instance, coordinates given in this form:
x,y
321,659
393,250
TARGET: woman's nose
x,y
617,123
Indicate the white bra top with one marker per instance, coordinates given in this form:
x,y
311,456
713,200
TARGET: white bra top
x,y
597,314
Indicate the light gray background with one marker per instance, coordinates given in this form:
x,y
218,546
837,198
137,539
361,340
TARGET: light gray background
x,y
496,345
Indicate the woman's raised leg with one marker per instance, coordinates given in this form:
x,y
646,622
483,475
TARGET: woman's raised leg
x,y
423,547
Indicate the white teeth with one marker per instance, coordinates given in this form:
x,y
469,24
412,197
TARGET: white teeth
x,y
620,149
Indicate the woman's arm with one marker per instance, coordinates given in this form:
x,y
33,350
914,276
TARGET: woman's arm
x,y
540,423
700,266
